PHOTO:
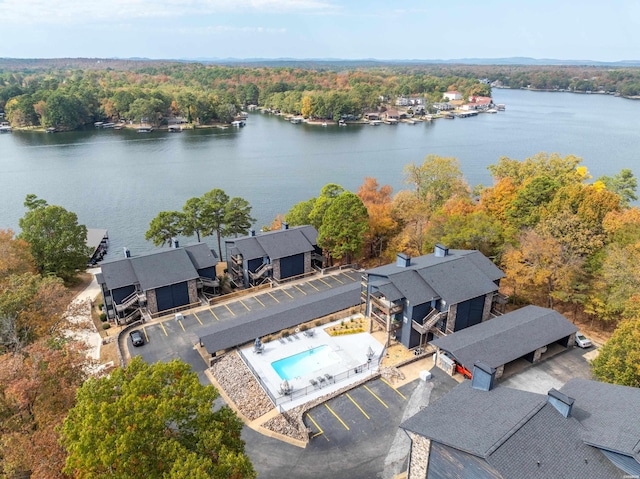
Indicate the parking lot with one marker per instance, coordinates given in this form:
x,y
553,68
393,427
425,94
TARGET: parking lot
x,y
355,414
169,339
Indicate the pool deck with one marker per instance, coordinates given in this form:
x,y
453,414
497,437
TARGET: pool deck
x,y
348,352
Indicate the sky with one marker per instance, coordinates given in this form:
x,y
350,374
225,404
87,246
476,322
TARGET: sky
x,y
371,29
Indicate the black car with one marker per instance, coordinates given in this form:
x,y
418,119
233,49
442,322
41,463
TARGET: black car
x,y
136,338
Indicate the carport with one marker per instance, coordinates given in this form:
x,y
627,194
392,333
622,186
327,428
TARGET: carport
x,y
241,330
527,333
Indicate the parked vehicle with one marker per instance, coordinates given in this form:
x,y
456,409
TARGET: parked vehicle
x,y
582,341
136,338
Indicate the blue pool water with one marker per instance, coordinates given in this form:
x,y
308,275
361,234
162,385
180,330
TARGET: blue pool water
x,y
305,363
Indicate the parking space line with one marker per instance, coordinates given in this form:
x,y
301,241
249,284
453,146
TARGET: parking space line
x,y
214,314
270,294
313,286
285,292
320,279
146,336
352,279
198,319
227,306
242,303
181,325
392,387
299,289
320,431
165,331
358,406
258,300
375,396
337,279
337,417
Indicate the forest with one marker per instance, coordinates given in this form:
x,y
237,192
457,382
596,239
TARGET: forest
x,y
72,94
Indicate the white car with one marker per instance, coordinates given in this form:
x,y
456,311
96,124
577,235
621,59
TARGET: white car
x,y
582,340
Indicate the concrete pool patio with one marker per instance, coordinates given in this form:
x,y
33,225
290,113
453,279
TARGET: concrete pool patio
x,y
350,358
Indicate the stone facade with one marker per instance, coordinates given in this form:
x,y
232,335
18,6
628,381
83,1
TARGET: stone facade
x,y
152,301
451,318
499,372
488,302
307,262
419,459
193,291
444,363
276,269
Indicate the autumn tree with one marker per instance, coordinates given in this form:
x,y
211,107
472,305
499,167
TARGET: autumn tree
x,y
37,389
15,255
57,241
153,421
619,359
344,226
564,170
382,225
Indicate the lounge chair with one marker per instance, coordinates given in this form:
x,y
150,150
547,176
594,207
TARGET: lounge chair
x,y
314,383
321,379
282,340
328,376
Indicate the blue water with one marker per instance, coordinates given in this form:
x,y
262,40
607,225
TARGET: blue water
x,y
305,363
120,180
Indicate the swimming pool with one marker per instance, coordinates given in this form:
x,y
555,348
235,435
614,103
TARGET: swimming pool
x,y
306,363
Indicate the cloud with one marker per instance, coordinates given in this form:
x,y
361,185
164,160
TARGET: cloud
x,y
92,11
230,29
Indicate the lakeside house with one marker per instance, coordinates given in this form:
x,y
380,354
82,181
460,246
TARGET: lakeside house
x,y
159,282
452,95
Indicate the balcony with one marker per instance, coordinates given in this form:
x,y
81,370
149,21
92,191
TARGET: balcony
x,y
386,306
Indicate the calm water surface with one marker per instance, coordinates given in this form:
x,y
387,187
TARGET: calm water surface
x,y
120,180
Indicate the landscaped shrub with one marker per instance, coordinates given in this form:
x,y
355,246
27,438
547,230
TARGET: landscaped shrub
x,y
303,327
103,317
106,326
100,306
285,334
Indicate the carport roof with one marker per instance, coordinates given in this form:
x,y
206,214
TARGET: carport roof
x,y
506,338
276,244
241,330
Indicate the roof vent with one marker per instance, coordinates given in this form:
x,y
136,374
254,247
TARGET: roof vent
x,y
176,243
127,253
441,251
285,226
561,402
402,260
252,232
483,377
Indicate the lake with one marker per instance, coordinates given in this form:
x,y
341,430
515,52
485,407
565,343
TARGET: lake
x,y
120,180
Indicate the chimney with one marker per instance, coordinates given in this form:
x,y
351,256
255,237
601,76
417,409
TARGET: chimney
x,y
483,377
402,260
285,226
127,253
561,402
440,251
252,232
176,243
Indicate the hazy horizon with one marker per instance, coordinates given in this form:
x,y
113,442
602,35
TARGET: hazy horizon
x,y
319,29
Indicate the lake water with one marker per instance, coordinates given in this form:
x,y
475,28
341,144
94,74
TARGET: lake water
x,y
120,180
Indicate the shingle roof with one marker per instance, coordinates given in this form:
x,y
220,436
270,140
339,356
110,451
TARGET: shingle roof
x,y
506,338
518,433
157,269
550,445
276,244
201,255
457,277
243,329
162,269
610,413
493,415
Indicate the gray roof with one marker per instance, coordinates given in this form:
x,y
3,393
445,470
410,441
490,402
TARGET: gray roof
x,y
158,269
554,441
389,290
276,244
610,413
201,255
506,338
518,433
457,277
95,237
493,415
243,329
